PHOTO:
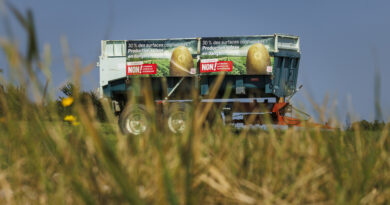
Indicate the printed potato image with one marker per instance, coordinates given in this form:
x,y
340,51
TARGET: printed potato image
x,y
257,59
181,62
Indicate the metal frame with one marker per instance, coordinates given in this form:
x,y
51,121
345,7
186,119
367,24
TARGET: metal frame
x,y
282,80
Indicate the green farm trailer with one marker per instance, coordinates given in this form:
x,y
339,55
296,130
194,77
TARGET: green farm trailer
x,y
258,74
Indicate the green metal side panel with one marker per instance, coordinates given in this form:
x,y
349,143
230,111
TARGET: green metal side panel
x,y
285,74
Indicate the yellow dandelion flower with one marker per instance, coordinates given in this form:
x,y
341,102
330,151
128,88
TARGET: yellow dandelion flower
x,y
67,101
70,118
75,123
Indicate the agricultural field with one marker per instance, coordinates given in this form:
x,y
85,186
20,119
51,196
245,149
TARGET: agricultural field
x,y
45,159
239,65
162,66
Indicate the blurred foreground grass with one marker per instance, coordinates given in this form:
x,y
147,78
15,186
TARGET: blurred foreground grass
x,y
44,160
52,161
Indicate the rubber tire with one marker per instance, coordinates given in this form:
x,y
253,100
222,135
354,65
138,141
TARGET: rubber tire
x,y
128,112
174,108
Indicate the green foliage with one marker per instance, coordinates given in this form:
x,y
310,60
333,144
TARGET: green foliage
x,y
68,90
371,126
14,99
87,99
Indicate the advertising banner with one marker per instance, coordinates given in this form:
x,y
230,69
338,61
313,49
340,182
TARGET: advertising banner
x,y
237,55
179,57
157,58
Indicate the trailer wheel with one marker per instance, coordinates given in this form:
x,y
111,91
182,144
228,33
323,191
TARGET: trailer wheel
x,y
134,120
177,119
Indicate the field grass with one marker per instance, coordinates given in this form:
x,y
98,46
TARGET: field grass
x,y
92,163
44,160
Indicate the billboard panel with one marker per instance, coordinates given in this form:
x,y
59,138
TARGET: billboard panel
x,y
157,58
243,55
237,55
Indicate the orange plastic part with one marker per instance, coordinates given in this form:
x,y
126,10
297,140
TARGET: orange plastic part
x,y
290,121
